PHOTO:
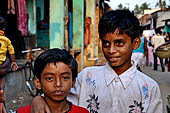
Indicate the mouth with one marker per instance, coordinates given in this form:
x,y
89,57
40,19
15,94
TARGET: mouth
x,y
58,93
113,59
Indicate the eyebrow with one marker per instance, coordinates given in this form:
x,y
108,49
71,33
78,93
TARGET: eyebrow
x,y
119,40
65,73
46,73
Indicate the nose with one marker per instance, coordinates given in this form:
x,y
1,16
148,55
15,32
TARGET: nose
x,y
112,49
58,82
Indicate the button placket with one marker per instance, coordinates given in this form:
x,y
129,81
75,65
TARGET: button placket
x,y
116,93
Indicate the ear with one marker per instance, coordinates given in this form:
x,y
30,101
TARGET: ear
x,y
37,83
136,43
73,83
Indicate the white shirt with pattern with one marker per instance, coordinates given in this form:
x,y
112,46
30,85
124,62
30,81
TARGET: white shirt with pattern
x,y
101,90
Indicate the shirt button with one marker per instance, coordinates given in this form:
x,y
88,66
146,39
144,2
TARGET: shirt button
x,y
117,79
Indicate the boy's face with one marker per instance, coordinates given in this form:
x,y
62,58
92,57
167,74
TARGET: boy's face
x,y
56,81
117,50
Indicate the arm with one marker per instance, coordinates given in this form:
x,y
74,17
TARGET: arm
x,y
146,50
2,96
14,65
153,41
38,105
155,102
2,108
75,91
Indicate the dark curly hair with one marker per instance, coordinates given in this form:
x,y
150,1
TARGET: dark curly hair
x,y
53,56
122,20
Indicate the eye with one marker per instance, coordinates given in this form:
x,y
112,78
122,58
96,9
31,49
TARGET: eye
x,y
105,44
119,42
66,77
49,78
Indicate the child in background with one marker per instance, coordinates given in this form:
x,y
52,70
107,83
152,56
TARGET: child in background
x,y
55,71
5,46
116,87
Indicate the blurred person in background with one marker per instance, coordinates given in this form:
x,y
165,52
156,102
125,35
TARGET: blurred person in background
x,y
156,41
167,60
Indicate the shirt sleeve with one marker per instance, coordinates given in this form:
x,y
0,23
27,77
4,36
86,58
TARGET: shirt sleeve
x,y
155,104
74,94
10,47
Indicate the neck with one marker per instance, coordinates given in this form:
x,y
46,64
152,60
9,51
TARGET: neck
x,y
121,69
58,106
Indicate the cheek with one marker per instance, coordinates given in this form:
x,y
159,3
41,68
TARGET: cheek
x,y
47,86
67,86
105,50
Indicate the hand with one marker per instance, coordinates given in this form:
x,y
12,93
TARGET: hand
x,y
39,105
14,66
2,96
2,108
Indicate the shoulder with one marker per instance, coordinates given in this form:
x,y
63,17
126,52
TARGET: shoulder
x,y
92,70
4,38
24,109
77,109
147,80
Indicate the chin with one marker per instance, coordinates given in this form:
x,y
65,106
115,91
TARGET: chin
x,y
59,99
114,65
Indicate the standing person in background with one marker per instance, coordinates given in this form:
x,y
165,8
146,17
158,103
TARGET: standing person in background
x,y
116,87
5,46
167,60
139,54
156,41
150,52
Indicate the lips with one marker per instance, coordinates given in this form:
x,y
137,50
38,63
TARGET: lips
x,y
58,93
113,59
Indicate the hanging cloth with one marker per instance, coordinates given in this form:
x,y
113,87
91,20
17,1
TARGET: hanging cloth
x,y
87,32
11,7
21,16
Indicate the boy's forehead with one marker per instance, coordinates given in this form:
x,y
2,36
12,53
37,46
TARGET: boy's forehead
x,y
57,62
116,32
116,35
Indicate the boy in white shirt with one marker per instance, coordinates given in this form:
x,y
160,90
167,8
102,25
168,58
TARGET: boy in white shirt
x,y
116,87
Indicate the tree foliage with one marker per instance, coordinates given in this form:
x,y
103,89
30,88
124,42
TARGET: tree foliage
x,y
120,6
161,4
139,10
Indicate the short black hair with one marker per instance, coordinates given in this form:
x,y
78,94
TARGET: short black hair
x,y
2,23
53,56
122,20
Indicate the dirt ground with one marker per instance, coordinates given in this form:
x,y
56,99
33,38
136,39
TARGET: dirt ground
x,y
23,98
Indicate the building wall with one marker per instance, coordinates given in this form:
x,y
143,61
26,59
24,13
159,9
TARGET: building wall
x,y
56,31
40,4
31,11
77,24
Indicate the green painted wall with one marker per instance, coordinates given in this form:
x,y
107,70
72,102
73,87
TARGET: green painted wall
x,y
77,23
90,9
31,11
40,3
56,31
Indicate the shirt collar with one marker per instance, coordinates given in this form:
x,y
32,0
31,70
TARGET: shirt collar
x,y
125,77
109,74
